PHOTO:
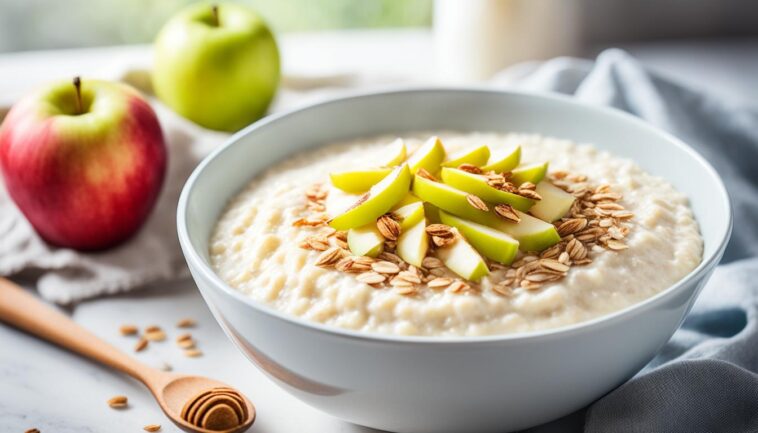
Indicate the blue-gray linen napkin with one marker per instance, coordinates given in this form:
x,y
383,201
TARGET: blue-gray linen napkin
x,y
706,378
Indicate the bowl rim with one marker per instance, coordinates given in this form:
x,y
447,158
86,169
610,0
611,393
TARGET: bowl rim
x,y
194,260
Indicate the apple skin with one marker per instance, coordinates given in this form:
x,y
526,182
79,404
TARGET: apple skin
x,y
489,242
477,184
380,198
358,181
533,173
503,161
84,181
220,77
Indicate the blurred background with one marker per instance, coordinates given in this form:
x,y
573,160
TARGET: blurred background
x,y
695,40
43,24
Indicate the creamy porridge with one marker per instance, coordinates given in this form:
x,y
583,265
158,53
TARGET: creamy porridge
x,y
257,248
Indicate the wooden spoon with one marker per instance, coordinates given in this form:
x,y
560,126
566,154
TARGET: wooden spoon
x,y
196,404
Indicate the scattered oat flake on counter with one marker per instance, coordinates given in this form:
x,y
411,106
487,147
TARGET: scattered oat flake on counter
x,y
118,402
128,330
141,345
186,323
155,335
192,353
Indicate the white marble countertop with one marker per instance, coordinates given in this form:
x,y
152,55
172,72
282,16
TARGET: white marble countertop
x,y
53,390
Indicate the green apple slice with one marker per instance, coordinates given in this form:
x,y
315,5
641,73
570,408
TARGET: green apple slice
x,y
452,200
477,184
477,156
490,243
429,156
463,259
555,202
413,243
532,233
365,241
398,152
504,161
356,182
408,199
377,201
533,173
432,213
409,214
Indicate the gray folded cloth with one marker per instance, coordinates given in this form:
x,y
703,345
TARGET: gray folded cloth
x,y
706,378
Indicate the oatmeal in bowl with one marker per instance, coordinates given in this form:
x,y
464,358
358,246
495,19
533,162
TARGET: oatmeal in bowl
x,y
525,272
455,234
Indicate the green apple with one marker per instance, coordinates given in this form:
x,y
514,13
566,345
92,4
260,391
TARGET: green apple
x,y
532,233
429,156
358,181
377,201
555,202
413,243
533,173
477,156
216,65
365,241
463,259
409,214
398,152
504,161
490,243
477,184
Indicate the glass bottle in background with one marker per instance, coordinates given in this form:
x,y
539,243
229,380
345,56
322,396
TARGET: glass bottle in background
x,y
474,39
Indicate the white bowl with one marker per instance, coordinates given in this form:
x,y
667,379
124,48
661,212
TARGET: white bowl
x,y
450,384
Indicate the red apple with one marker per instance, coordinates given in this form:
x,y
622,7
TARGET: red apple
x,y
84,162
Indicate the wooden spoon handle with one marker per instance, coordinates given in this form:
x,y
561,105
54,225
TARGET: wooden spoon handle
x,y
22,310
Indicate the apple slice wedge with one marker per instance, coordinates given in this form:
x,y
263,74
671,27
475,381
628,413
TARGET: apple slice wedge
x,y
533,173
477,156
398,152
365,241
503,161
408,199
413,243
432,213
409,214
532,233
463,259
452,200
477,184
377,201
429,156
490,243
358,181
555,202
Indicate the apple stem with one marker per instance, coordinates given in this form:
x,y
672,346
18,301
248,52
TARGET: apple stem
x,y
78,87
216,21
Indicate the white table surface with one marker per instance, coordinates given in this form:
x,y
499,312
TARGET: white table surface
x,y
45,387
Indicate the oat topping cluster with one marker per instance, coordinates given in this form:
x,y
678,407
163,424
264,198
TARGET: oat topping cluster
x,y
596,223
